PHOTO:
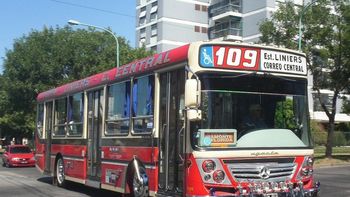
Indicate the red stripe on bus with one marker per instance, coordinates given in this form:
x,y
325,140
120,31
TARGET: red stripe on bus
x,y
137,67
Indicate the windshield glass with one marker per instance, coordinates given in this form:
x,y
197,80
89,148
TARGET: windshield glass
x,y
252,111
20,149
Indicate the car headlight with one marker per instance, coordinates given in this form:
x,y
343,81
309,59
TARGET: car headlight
x,y
15,159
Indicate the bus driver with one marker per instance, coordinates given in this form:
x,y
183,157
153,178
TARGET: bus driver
x,y
254,120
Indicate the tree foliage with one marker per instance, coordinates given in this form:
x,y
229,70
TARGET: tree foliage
x,y
284,117
326,42
44,59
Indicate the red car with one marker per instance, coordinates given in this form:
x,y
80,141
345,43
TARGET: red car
x,y
18,155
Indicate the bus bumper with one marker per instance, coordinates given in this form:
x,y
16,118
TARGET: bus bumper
x,y
296,192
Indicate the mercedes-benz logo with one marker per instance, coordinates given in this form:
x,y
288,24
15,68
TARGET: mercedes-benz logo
x,y
264,172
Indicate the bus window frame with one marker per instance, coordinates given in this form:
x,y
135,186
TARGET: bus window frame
x,y
68,124
54,135
132,118
41,134
106,120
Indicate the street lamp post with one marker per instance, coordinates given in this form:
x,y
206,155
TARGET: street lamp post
x,y
74,22
300,21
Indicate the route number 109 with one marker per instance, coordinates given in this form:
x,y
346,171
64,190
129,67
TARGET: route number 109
x,y
236,57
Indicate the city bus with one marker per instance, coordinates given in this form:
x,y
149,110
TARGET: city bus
x,y
210,118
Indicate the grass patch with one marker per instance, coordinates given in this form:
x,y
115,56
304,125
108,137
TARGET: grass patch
x,y
334,161
340,156
343,150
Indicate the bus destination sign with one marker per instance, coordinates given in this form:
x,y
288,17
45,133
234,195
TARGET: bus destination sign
x,y
252,58
217,137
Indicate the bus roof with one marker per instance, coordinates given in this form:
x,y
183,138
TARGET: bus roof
x,y
167,58
136,67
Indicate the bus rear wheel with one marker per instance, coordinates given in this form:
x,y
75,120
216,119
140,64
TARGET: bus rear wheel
x,y
59,175
140,186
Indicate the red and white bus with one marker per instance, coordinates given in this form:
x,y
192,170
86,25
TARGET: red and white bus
x,y
205,119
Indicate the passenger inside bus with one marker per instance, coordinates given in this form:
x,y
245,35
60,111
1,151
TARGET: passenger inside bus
x,y
254,120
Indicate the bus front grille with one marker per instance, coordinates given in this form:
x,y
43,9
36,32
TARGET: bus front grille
x,y
262,171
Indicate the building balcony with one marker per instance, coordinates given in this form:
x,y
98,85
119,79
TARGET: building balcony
x,y
230,27
224,7
231,32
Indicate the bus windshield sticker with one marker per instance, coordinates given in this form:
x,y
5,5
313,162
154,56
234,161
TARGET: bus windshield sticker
x,y
217,137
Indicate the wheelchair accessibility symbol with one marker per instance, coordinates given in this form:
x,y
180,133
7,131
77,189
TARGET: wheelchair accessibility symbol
x,y
206,57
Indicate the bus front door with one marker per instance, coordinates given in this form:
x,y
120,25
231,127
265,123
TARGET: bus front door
x,y
48,129
171,140
94,123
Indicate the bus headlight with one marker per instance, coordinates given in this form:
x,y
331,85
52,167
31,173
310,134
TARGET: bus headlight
x,y
310,161
219,176
207,177
307,167
208,166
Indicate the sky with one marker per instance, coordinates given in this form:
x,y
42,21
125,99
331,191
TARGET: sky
x,y
20,17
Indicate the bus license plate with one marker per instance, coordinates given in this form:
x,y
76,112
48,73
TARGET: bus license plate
x,y
272,195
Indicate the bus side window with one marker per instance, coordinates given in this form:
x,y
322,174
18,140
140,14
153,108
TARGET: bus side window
x,y
60,117
40,120
118,109
75,114
142,105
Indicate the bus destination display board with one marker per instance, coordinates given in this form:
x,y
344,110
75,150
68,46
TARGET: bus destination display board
x,y
252,58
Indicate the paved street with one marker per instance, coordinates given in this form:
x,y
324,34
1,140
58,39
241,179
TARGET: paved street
x,y
28,182
335,181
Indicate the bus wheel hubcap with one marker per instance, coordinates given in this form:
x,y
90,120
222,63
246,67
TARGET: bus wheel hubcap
x,y
139,187
60,171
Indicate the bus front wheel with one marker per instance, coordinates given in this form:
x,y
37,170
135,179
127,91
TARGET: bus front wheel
x,y
140,184
59,175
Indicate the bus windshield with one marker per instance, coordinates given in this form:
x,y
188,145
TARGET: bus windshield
x,y
252,111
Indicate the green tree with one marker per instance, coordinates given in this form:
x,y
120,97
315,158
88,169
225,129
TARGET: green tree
x,y
284,116
326,42
44,59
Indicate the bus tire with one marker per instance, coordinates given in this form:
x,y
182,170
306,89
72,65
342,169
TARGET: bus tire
x,y
139,188
59,177
7,164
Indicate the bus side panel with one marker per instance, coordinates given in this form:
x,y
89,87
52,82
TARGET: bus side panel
x,y
152,173
194,183
40,153
116,159
74,158
126,154
114,174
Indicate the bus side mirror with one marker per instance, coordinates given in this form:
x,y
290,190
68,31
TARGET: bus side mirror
x,y
192,99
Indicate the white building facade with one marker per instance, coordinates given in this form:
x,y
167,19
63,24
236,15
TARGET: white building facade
x,y
162,25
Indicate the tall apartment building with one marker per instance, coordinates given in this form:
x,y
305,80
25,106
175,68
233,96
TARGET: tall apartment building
x,y
165,24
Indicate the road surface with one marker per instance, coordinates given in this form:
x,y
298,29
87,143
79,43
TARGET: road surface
x,y
28,182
